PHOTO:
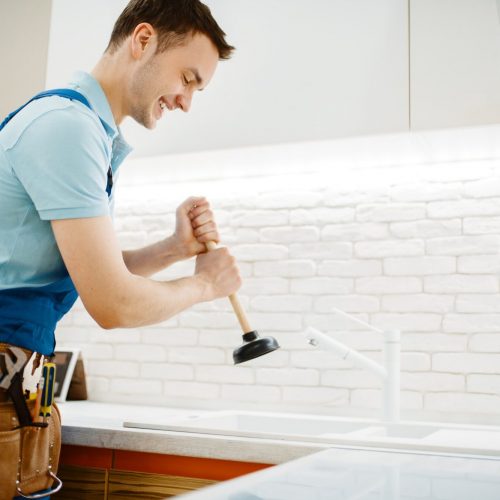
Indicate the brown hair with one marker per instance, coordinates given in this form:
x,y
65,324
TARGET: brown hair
x,y
173,20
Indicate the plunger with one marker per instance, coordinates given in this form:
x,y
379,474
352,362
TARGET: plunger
x,y
253,346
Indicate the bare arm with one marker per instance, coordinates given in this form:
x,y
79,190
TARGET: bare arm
x,y
194,226
114,296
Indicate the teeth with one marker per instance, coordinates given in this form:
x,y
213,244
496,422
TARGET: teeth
x,y
162,105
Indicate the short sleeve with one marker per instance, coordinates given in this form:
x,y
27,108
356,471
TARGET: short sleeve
x,y
62,159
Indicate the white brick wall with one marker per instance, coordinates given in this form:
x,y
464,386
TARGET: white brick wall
x,y
419,254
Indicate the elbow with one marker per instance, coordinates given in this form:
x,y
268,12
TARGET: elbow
x,y
110,315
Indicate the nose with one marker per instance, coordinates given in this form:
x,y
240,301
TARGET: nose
x,y
183,101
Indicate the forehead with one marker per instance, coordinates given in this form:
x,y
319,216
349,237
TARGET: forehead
x,y
195,52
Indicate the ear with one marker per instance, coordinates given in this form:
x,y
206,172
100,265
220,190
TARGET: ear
x,y
142,40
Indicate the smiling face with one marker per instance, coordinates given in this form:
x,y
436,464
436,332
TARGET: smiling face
x,y
166,81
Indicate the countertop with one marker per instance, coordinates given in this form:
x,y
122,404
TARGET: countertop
x,y
87,423
341,474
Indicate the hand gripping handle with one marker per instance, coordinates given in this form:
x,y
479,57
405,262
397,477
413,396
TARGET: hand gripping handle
x,y
235,301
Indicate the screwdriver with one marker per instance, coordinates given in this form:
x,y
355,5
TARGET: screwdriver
x,y
49,376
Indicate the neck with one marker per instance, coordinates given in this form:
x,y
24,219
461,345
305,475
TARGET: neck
x,y
108,72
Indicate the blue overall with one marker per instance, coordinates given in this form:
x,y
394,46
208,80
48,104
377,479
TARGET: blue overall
x,y
28,315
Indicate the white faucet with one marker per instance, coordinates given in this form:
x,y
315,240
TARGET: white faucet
x,y
389,372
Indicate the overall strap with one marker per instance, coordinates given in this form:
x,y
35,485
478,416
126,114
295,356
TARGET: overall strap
x,y
68,94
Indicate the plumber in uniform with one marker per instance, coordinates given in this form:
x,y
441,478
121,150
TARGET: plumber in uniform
x,y
59,157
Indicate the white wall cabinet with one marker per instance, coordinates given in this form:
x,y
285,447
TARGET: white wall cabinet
x,y
455,63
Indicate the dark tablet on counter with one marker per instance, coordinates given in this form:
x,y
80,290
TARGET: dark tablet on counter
x,y
65,360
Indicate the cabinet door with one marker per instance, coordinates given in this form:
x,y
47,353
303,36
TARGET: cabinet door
x,y
454,63
123,485
82,483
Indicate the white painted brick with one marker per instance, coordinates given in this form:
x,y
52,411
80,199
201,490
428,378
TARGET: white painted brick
x,y
287,376
258,218
321,250
485,342
351,267
111,368
460,283
408,322
257,286
181,389
176,337
287,268
471,323
96,351
350,379
334,322
355,232
478,303
388,285
418,303
461,171
462,402
483,188
197,355
389,248
253,393
70,334
415,362
484,383
482,225
431,382
319,286
83,318
135,386
225,374
463,208
313,358
289,199
321,216
401,266
247,235
335,198
167,371
289,234
347,303
259,251
208,320
138,352
478,264
427,228
367,341
372,398
316,395
131,240
220,338
97,385
274,303
426,192
433,342
277,321
466,363
389,212
115,336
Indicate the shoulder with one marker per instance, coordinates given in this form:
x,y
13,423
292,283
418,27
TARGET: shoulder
x,y
54,120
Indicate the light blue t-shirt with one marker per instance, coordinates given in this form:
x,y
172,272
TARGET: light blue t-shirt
x,y
54,158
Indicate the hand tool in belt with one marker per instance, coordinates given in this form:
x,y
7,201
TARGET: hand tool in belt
x,y
12,382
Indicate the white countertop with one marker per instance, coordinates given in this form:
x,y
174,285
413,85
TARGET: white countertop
x,y
87,423
341,474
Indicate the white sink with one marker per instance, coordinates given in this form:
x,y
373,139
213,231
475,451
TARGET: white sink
x,y
284,426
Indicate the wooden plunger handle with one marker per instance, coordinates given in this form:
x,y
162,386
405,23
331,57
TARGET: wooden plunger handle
x,y
235,301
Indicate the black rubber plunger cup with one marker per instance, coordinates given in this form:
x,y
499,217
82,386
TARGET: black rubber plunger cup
x,y
253,346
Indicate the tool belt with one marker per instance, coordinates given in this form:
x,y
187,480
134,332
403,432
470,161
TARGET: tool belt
x,y
29,450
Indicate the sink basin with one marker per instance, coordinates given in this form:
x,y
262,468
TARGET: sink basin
x,y
397,431
232,423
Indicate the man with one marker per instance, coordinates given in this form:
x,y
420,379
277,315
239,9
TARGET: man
x,y
58,163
